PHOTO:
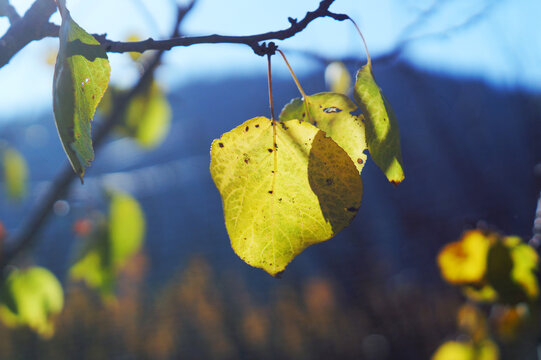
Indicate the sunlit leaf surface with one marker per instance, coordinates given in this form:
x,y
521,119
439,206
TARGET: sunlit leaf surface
x,y
31,298
332,113
80,80
382,132
280,200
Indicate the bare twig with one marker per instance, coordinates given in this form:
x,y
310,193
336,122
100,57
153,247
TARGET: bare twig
x,y
25,238
34,25
47,29
250,40
6,9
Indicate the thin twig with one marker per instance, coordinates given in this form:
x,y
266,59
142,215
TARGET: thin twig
x,y
34,25
51,30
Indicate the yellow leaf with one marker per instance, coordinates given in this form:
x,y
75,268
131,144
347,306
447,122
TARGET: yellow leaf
x,y
282,193
465,261
332,113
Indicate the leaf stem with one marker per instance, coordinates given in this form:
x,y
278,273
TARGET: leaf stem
x,y
304,97
269,77
368,60
274,145
292,74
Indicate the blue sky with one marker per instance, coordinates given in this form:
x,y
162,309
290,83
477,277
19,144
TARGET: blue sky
x,y
494,40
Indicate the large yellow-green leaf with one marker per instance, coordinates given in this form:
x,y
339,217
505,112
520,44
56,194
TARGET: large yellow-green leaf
x,y
15,173
382,132
111,244
31,298
80,80
148,117
278,200
332,113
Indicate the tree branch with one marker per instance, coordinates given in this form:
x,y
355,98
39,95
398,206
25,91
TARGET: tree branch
x,y
34,25
250,40
15,41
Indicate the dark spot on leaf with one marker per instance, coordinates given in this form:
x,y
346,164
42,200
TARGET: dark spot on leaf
x,y
303,115
315,123
332,109
359,161
270,192
280,199
352,209
247,128
246,160
329,181
93,96
269,150
220,144
284,126
256,125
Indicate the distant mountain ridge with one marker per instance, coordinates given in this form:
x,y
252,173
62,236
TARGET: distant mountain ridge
x,y
469,154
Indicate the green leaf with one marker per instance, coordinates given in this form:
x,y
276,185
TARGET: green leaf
x,y
337,78
382,132
32,298
282,193
148,117
15,173
332,113
80,80
111,244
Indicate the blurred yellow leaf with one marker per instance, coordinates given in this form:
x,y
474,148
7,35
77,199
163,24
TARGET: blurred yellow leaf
x,y
148,117
111,244
337,78
455,350
525,266
15,173
31,298
126,227
465,261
